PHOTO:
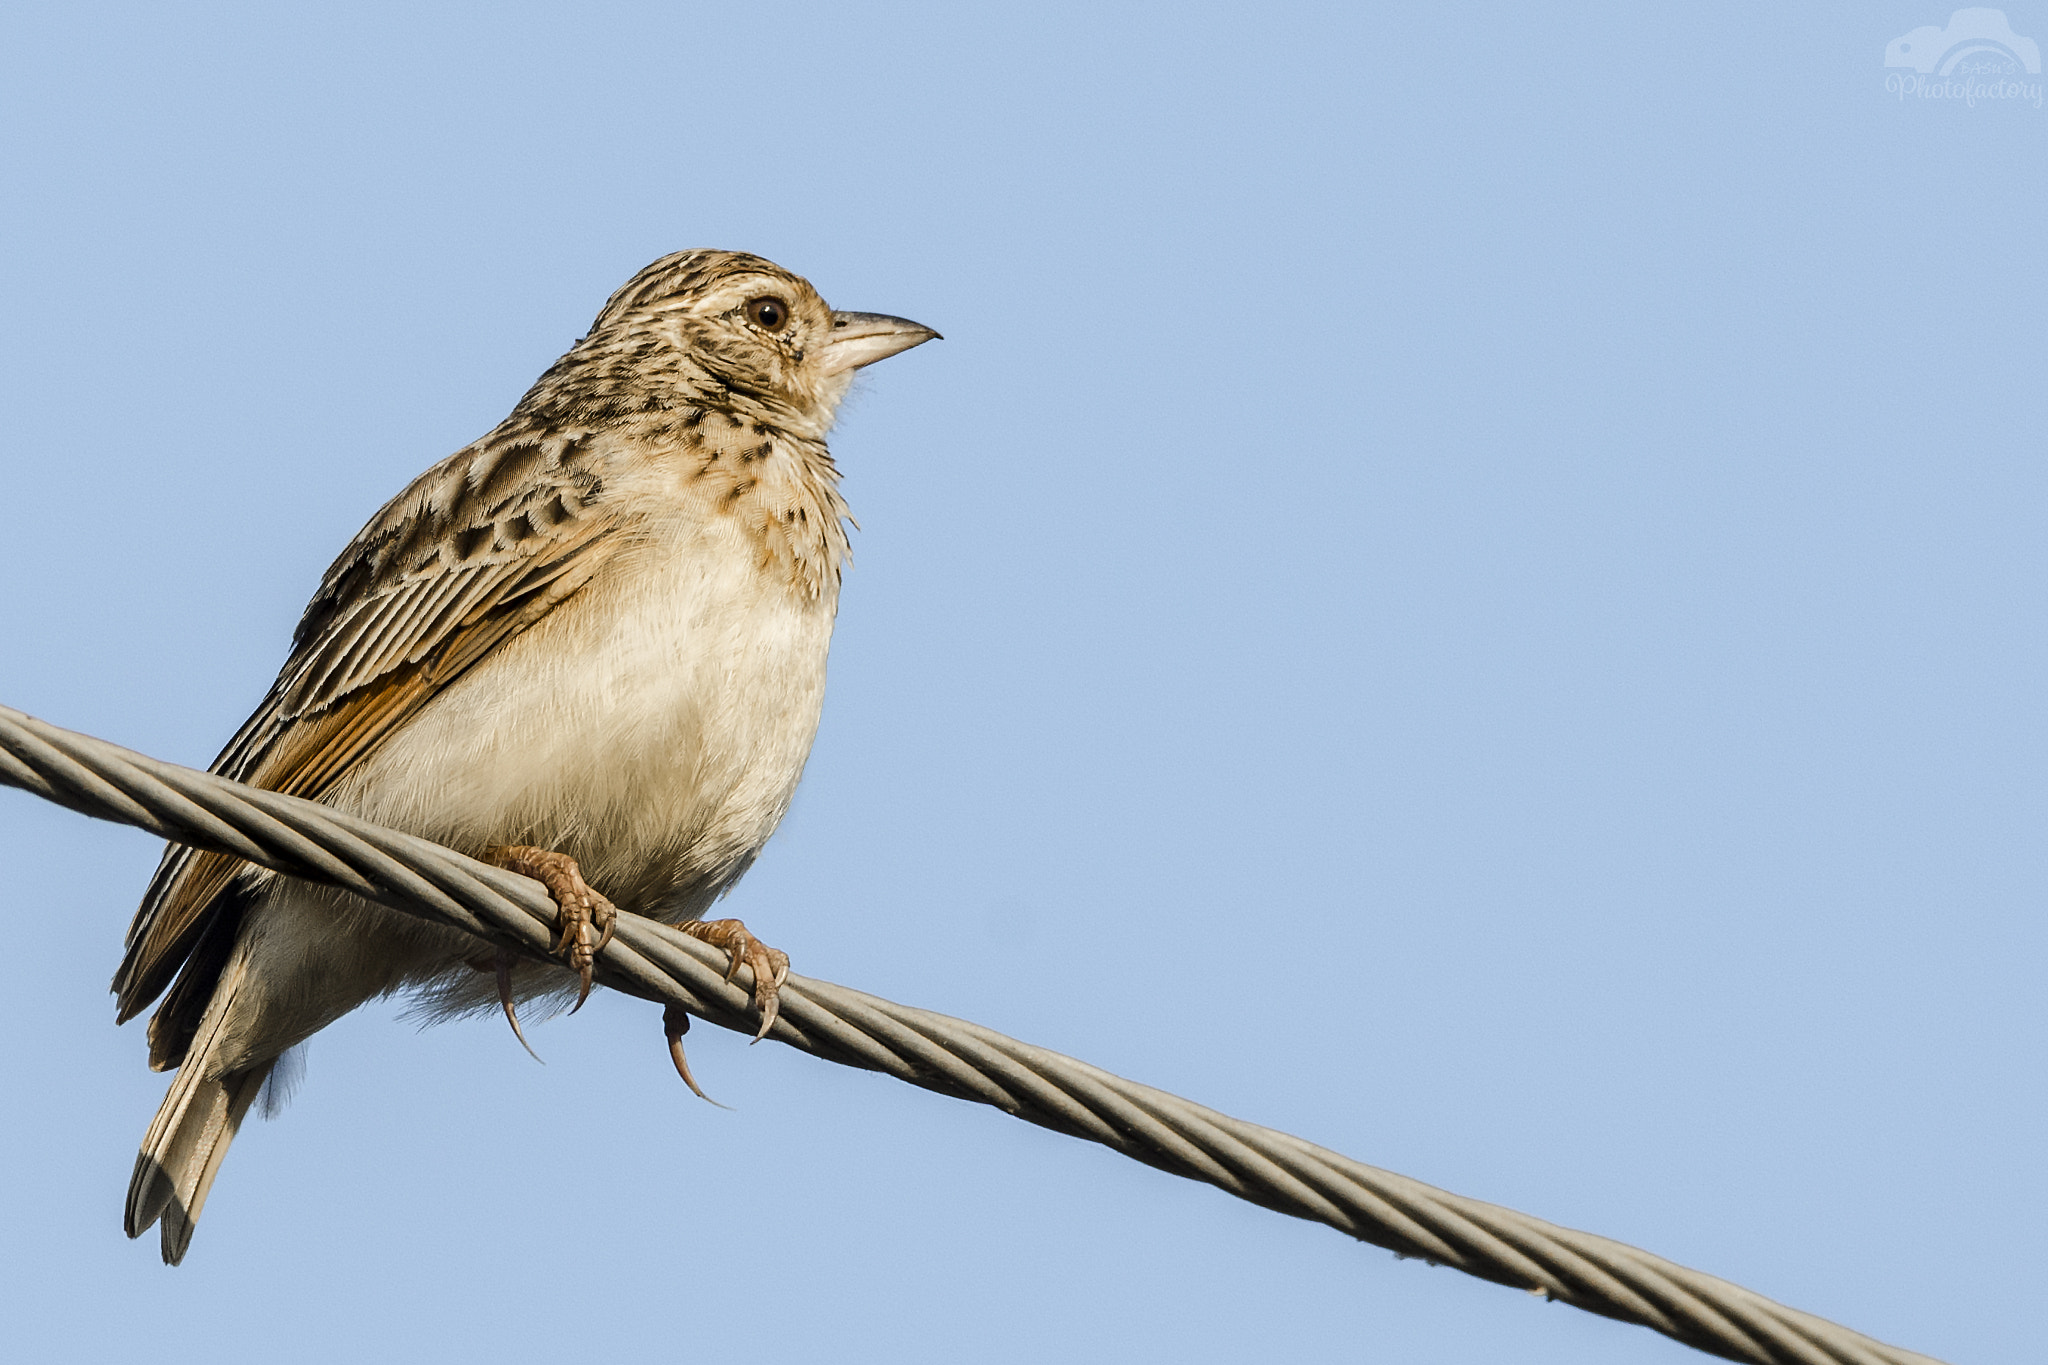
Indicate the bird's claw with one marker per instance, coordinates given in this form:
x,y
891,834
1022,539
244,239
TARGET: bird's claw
x,y
585,919
675,1022
770,966
500,965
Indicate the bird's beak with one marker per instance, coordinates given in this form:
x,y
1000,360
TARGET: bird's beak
x,y
863,338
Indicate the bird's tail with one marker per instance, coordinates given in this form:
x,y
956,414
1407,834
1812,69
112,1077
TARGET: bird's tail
x,y
182,1151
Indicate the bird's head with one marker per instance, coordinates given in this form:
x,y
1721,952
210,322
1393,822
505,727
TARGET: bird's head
x,y
734,330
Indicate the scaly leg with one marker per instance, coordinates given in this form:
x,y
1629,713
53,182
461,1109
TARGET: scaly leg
x,y
586,918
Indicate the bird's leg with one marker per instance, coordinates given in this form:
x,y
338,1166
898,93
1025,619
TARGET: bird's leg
x,y
769,965
500,963
586,918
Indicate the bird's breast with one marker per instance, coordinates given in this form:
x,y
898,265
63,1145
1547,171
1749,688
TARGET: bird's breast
x,y
653,727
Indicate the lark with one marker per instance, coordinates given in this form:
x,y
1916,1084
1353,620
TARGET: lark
x,y
589,647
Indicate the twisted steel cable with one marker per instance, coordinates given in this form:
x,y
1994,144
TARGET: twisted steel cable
x,y
954,1057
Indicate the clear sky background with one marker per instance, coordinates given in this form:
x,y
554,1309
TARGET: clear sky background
x,y
1468,582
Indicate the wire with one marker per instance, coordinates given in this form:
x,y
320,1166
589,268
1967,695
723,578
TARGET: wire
x,y
954,1057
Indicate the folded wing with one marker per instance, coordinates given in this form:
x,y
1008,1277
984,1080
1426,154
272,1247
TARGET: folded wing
x,y
478,549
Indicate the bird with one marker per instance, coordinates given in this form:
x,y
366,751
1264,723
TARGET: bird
x,y
589,647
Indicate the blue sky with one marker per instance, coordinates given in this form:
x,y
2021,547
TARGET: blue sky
x,y
1468,583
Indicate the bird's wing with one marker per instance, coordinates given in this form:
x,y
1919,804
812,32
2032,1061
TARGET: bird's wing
x,y
478,549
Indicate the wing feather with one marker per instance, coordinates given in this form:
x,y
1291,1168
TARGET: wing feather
x,y
398,622
473,553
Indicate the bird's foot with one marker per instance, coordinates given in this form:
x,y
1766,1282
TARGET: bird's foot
x,y
586,918
769,965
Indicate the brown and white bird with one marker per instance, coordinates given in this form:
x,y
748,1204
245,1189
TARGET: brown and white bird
x,y
591,645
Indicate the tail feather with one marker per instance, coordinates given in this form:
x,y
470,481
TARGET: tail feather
x,y
183,1149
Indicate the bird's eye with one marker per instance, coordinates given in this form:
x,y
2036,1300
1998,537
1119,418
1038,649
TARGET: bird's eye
x,y
770,315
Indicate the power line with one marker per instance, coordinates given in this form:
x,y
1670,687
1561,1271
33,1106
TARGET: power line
x,y
1270,1168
